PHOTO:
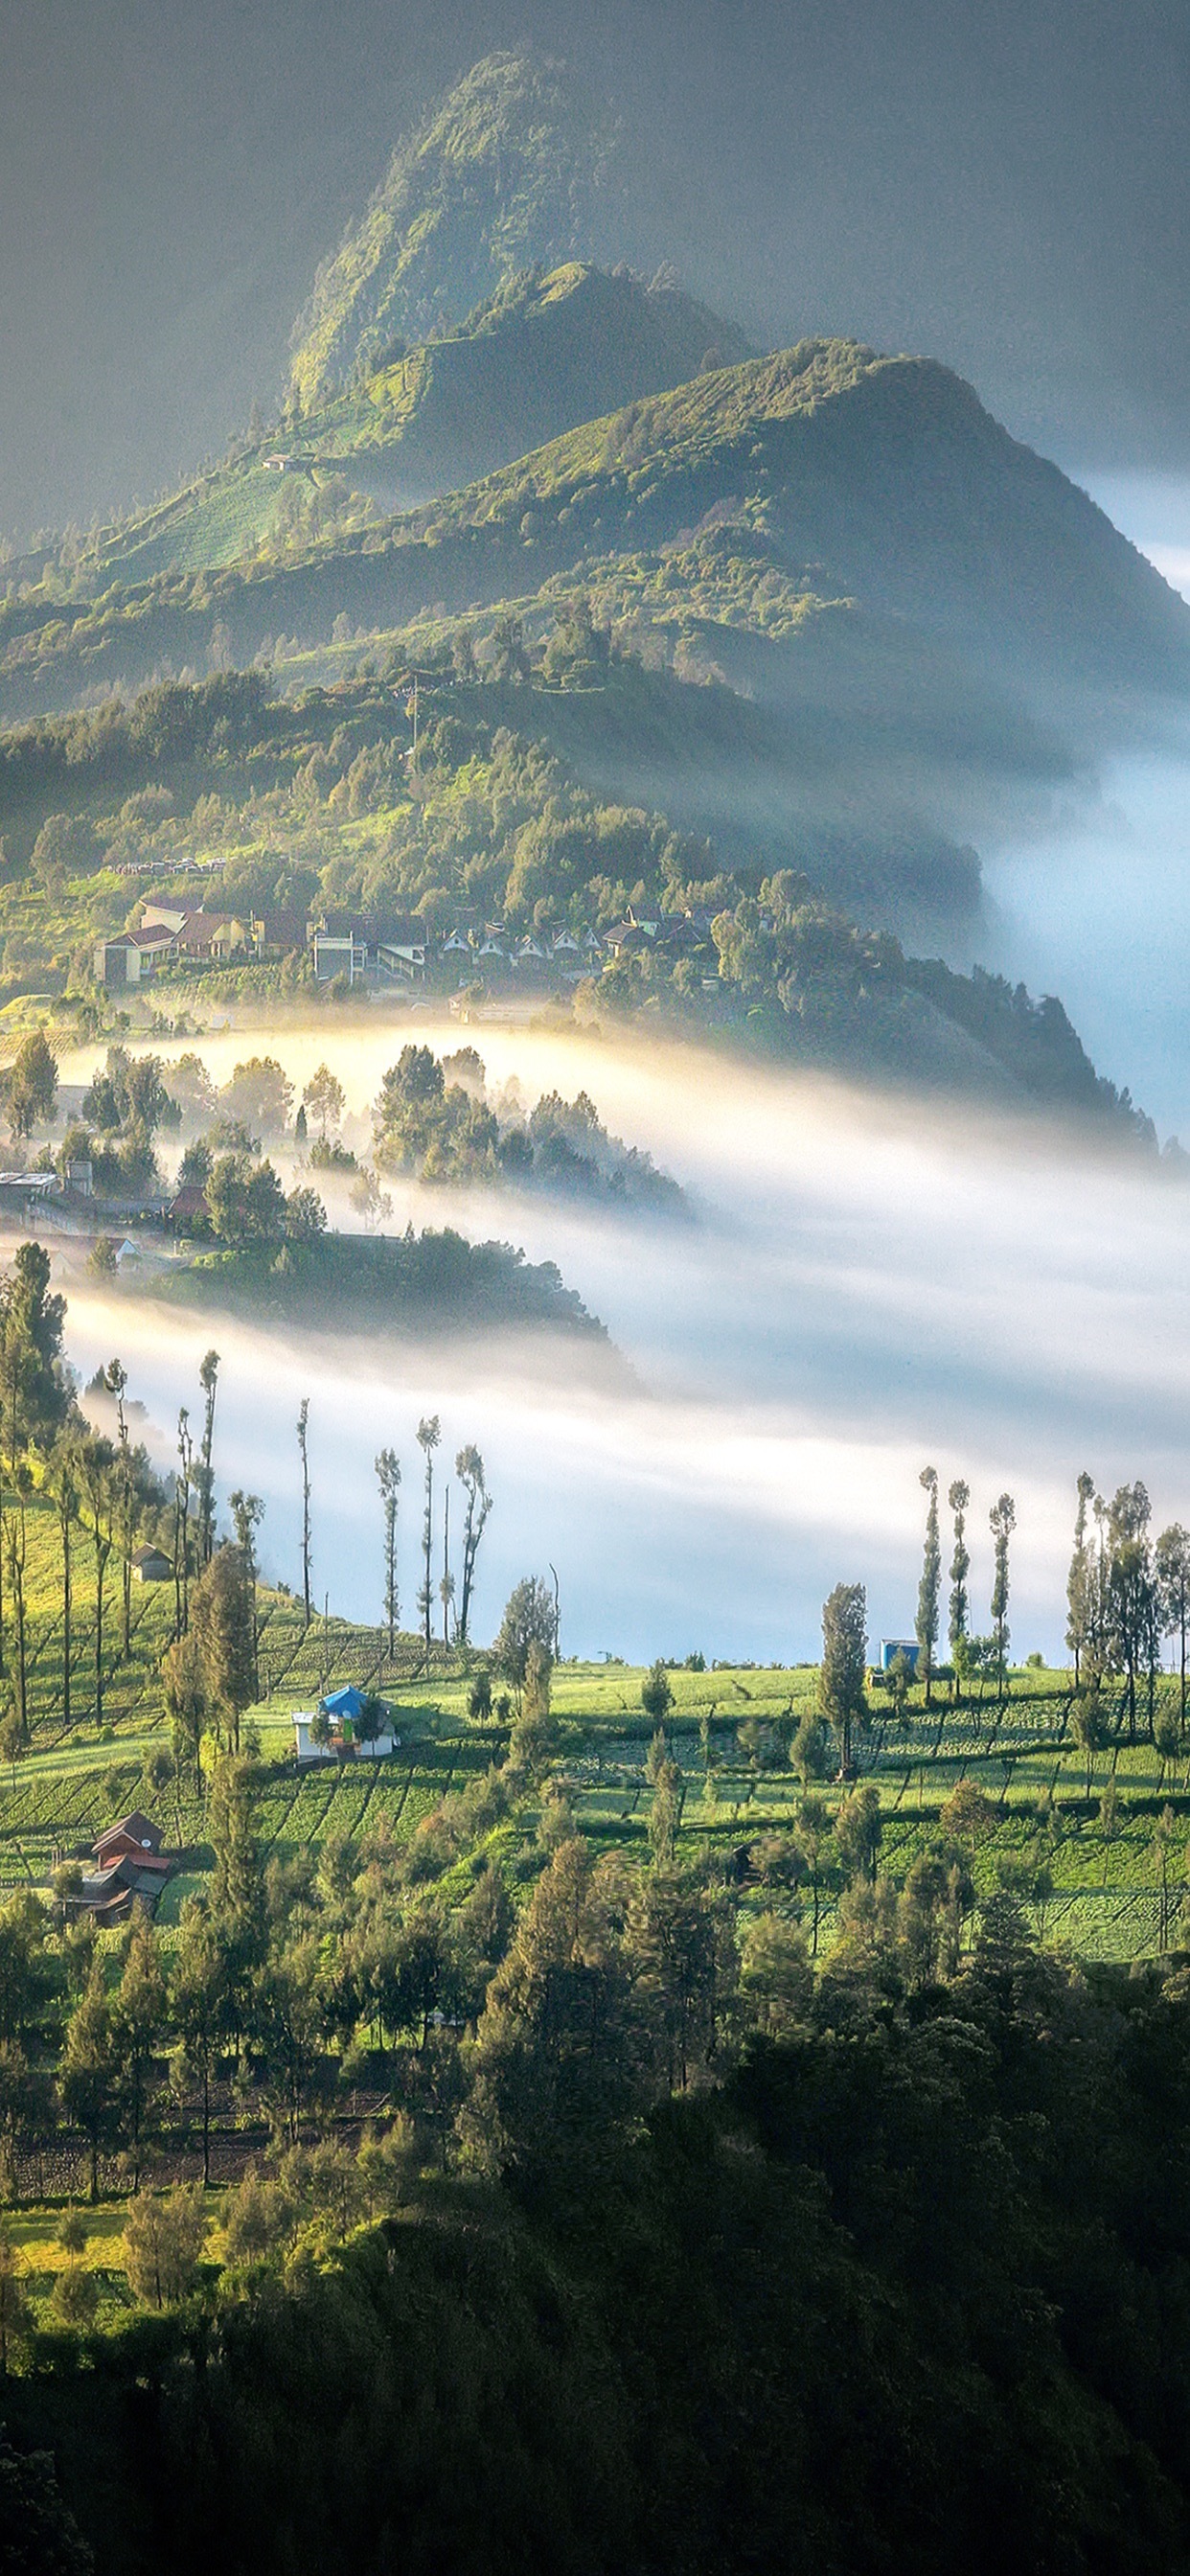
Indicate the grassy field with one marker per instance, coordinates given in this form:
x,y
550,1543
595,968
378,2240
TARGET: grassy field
x,y
1100,1889
1091,1879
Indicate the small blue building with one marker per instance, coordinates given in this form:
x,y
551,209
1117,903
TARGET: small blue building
x,y
891,1647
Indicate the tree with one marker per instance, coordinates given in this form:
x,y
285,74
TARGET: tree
x,y
665,1810
810,1832
808,1751
224,1631
259,1096
469,1469
1172,1570
139,2015
1167,1739
1132,1597
96,1462
183,1487
776,1985
656,1696
91,2068
245,1200
682,1951
325,1098
533,1737
844,1660
1078,1582
305,1216
199,2004
554,2059
1165,1842
1002,1521
1088,1719
959,1498
303,1432
204,1474
247,1513
528,1620
926,1626
388,1477
185,1699
35,1390
116,1381
75,2295
15,1537
428,1436
968,1814
62,1478
16,2316
164,2235
32,1084
858,1829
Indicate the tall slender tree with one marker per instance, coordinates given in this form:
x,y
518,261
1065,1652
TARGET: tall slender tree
x,y
63,1479
844,1656
204,1476
97,1460
1132,1593
930,1586
959,1498
1079,1581
183,1488
303,1441
469,1469
15,1541
446,1588
115,1378
1002,1521
247,1512
428,1437
388,1477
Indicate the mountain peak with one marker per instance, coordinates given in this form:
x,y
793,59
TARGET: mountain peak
x,y
506,172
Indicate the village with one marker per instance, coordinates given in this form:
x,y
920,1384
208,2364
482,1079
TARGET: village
x,y
346,950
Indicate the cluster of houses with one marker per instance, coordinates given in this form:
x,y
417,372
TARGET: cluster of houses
x,y
346,946
130,1868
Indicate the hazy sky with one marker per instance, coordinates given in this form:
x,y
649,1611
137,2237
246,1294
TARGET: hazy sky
x,y
1003,185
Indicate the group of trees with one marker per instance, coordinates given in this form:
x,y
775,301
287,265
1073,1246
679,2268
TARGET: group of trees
x,y
434,1118
968,1653
1127,1592
838,2284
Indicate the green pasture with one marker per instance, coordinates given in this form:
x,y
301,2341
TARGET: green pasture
x,y
1089,1882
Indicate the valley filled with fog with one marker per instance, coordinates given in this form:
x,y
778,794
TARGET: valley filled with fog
x,y
867,1286
1093,902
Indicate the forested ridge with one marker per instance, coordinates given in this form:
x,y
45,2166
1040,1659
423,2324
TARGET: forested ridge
x,y
905,2287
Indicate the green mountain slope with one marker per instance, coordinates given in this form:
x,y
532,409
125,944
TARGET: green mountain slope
x,y
544,355
742,501
508,171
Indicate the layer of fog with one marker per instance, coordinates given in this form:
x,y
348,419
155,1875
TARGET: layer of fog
x,y
868,1288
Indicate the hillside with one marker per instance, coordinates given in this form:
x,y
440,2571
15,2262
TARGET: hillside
x,y
509,170
545,354
251,802
744,504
